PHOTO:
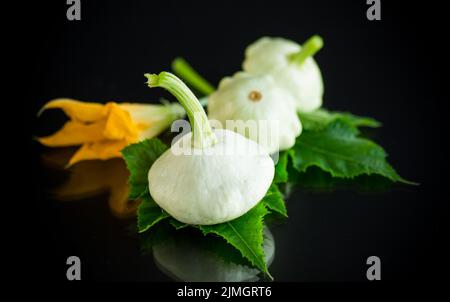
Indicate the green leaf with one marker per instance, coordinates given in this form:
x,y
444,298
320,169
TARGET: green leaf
x,y
281,173
139,158
337,150
149,213
223,249
317,180
321,118
274,201
245,234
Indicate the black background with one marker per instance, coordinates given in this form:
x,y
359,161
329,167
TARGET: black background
x,y
389,69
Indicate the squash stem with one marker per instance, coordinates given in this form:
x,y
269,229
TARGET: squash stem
x,y
202,134
309,49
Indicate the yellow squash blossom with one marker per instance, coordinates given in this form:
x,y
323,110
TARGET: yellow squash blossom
x,y
103,130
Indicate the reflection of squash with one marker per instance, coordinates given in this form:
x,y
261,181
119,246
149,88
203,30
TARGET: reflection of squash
x,y
184,259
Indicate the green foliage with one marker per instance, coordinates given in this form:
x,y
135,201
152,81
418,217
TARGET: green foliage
x,y
245,234
149,213
329,142
281,174
274,201
321,118
336,149
139,158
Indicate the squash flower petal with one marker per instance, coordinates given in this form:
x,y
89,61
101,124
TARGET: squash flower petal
x,y
77,110
103,130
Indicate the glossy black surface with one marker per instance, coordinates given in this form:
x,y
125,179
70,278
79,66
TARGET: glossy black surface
x,y
385,69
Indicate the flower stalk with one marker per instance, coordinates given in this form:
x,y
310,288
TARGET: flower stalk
x,y
182,68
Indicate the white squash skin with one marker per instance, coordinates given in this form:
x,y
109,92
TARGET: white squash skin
x,y
203,189
277,106
269,56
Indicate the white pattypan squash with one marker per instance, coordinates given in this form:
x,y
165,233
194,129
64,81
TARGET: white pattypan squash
x,y
295,72
267,112
207,177
222,183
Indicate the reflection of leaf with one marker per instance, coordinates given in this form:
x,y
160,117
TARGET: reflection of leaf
x,y
160,233
186,255
177,224
337,150
321,118
244,233
274,201
149,213
139,158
